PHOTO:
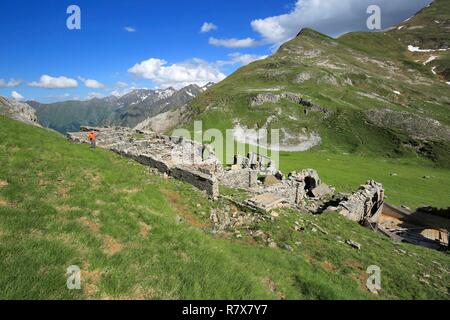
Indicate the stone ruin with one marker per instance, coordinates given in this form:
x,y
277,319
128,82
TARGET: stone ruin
x,y
180,158
365,205
257,174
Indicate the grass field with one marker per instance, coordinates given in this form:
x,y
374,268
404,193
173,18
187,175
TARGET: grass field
x,y
137,235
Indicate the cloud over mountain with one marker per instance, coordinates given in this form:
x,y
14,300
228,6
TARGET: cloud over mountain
x,y
91,83
16,96
332,17
50,82
177,75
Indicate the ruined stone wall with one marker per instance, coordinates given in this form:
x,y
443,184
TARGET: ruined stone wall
x,y
197,179
148,160
179,158
242,178
364,205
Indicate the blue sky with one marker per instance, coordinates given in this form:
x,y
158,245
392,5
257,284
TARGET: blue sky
x,y
136,43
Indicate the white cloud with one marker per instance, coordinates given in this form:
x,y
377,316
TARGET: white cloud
x,y
49,82
207,27
124,91
233,42
116,93
130,29
178,75
332,17
241,59
93,95
91,83
16,96
11,83
121,84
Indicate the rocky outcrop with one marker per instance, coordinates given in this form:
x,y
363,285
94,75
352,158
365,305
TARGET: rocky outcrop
x,y
18,111
293,97
417,127
295,141
166,121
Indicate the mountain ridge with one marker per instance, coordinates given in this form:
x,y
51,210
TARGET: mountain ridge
x,y
126,110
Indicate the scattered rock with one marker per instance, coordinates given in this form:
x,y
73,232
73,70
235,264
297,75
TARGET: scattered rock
x,y
353,244
179,219
319,228
273,245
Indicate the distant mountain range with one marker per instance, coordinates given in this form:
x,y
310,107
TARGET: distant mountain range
x,y
127,110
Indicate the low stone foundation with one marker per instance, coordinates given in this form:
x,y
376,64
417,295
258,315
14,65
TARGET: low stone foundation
x,y
197,179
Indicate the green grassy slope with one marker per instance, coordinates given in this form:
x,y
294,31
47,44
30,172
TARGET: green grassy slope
x,y
136,235
348,76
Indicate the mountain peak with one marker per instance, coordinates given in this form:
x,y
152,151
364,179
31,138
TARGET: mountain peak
x,y
308,32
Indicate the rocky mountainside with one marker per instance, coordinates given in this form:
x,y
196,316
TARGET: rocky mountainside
x,y
127,110
321,91
137,106
18,110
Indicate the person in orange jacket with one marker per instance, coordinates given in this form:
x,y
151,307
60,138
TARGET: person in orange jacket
x,y
92,136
